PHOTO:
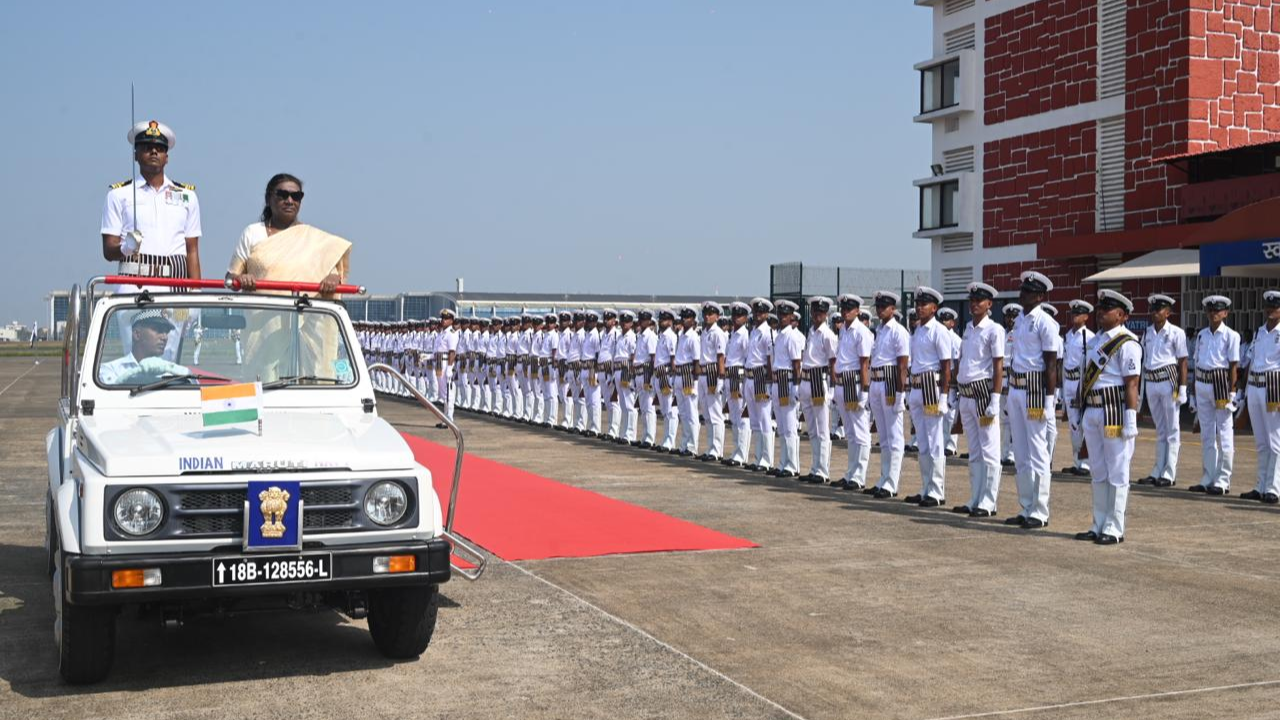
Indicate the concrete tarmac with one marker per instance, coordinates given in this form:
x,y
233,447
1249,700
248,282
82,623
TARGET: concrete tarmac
x,y
850,608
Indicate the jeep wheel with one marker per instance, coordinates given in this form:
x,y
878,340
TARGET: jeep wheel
x,y
86,636
401,620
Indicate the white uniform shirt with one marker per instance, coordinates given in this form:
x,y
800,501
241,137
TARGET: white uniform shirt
x,y
892,342
1163,347
982,343
714,343
646,346
788,346
735,354
687,346
571,345
1217,350
1125,361
855,343
1265,350
165,217
446,340
119,370
666,347
551,344
819,347
624,346
930,345
590,344
760,346
608,340
1034,334
1073,348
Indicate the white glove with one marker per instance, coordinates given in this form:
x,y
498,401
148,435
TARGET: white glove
x,y
129,243
1242,401
1130,428
1182,394
900,402
1057,396
1049,403
1235,401
942,405
1191,408
160,366
993,407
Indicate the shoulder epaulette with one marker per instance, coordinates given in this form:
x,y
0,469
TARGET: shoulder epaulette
x,y
122,184
184,186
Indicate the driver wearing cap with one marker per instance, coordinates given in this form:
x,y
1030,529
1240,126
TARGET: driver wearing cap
x,y
150,332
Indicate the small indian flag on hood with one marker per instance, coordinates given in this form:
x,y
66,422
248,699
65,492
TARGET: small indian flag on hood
x,y
229,404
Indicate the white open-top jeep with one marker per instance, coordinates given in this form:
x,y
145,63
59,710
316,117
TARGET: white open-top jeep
x,y
219,451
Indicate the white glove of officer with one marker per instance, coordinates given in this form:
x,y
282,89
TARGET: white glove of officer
x,y
1130,428
943,408
993,407
1182,394
1057,396
1049,403
900,402
160,366
129,243
1235,401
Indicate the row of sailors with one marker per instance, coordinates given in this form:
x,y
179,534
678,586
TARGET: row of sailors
x,y
759,371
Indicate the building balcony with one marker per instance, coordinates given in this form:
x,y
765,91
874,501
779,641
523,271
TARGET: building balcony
x,y
947,205
948,86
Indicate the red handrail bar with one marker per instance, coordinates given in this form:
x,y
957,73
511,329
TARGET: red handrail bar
x,y
228,284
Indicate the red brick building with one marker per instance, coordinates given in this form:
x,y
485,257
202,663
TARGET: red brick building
x,y
1074,136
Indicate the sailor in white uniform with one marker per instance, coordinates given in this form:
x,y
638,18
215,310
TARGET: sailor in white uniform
x,y
1217,361
853,390
588,378
759,370
1110,389
817,368
664,364
788,349
890,375
446,355
712,346
688,351
1164,374
1073,362
735,360
980,377
931,351
1263,402
645,383
949,318
1033,384
624,354
1008,316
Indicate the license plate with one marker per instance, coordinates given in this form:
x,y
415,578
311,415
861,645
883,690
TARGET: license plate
x,y
270,569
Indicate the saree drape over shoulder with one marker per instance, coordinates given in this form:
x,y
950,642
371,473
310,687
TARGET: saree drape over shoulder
x,y
303,254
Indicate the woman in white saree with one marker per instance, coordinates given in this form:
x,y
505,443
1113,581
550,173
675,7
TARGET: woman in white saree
x,y
279,247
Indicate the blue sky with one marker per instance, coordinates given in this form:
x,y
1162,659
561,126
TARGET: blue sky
x,y
588,146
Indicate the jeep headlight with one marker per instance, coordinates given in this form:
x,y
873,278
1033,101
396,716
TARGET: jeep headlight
x,y
138,511
386,502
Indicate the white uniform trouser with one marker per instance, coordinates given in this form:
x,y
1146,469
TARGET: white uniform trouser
x,y
1006,435
857,427
953,413
787,410
529,384
688,405
515,396
817,420
984,455
608,403
1164,412
741,425
1110,471
647,412
1217,438
1266,437
711,408
581,414
889,427
668,405
591,379
1031,454
446,389
760,413
1074,423
463,386
568,395
932,439
626,407
550,399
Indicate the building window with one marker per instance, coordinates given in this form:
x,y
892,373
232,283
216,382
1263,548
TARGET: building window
x,y
938,205
940,86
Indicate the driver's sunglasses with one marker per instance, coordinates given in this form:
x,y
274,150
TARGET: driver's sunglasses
x,y
285,195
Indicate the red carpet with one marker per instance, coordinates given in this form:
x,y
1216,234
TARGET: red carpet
x,y
517,515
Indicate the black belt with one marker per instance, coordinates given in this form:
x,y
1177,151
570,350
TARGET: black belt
x,y
1166,373
1071,373
1271,381
1034,383
1111,401
1220,379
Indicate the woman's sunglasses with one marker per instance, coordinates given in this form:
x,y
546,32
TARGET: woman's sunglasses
x,y
285,195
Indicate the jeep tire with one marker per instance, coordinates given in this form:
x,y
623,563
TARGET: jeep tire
x,y
402,620
87,642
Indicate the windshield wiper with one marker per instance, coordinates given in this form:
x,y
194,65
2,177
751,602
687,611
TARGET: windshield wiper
x,y
164,381
297,379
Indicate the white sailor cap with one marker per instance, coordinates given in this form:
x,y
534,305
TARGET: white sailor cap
x,y
608,313
819,303
627,316
447,314
1035,282
864,316
981,291
591,316
947,313
849,301
1271,298
666,314
737,307
154,318
644,314
1012,309
712,307
1158,301
687,311
152,132
1108,299
1214,303
1049,310
887,297
761,305
928,295
1080,307
785,307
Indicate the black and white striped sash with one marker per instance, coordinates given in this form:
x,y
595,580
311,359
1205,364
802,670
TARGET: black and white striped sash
x,y
1271,381
782,378
1033,383
851,385
711,371
1220,379
736,375
887,374
817,377
927,383
760,379
1111,401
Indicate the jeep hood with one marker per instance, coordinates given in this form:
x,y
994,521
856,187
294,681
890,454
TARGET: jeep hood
x,y
126,444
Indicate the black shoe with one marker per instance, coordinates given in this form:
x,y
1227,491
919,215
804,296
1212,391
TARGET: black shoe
x,y
980,513
624,441
1271,498
962,509
751,466
913,499
1108,540
881,494
964,456
546,425
763,468
773,472
662,449
441,426
931,502
834,437
853,486
840,484
949,453
685,453
1016,520
1034,524
819,480
1215,490
1161,482
871,490
1251,495
591,434
788,474
1145,481
911,448
1198,488
1006,463
1091,535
